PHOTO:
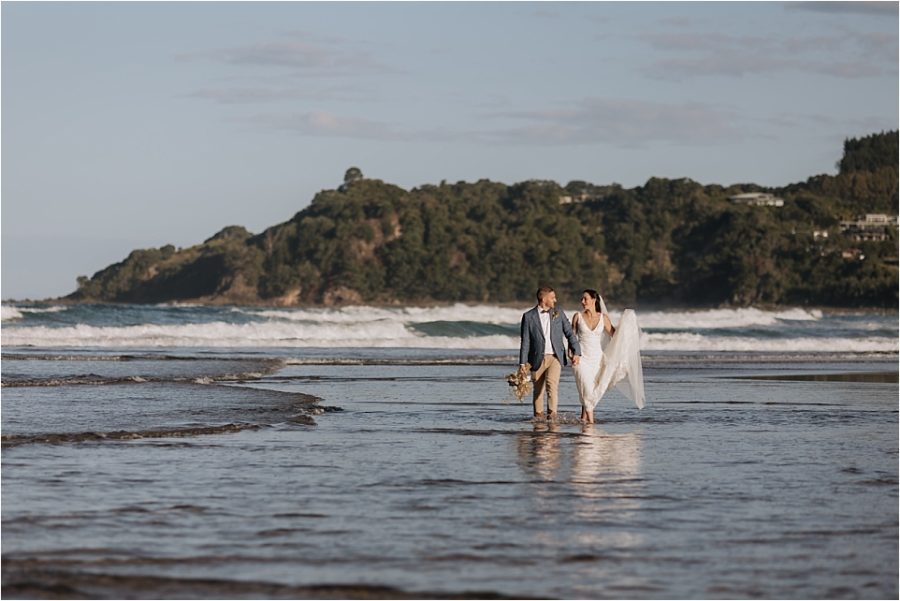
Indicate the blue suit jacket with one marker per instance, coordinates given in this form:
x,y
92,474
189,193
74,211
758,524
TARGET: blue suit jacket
x,y
531,348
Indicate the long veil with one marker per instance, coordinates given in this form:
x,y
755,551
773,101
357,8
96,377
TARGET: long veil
x,y
621,365
603,309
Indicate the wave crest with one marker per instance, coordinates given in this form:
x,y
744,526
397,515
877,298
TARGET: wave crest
x,y
8,313
456,326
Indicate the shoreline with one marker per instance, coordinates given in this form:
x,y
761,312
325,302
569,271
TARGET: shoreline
x,y
309,356
876,377
34,579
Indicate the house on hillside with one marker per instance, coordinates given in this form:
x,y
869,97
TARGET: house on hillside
x,y
872,227
583,197
757,199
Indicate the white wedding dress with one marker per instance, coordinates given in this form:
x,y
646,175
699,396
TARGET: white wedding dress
x,y
609,361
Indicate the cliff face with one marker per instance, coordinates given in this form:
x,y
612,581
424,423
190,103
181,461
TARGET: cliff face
x,y
666,241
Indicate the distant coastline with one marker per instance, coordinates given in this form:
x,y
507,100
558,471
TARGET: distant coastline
x,y
670,242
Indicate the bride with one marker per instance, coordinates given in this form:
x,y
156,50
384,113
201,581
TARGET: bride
x,y
609,356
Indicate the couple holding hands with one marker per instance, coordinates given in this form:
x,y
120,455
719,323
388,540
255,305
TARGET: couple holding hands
x,y
602,356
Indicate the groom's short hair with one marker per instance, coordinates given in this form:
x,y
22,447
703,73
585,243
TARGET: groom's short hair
x,y
544,291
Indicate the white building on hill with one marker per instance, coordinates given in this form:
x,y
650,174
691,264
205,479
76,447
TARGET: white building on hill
x,y
869,227
757,199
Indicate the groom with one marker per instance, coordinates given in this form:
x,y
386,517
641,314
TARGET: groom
x,y
543,328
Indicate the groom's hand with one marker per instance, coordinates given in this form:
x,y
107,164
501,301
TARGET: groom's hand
x,y
576,359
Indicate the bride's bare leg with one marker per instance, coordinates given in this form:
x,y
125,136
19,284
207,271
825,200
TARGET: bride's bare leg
x,y
590,417
583,414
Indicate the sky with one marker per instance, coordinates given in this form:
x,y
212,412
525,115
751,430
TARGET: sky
x,y
135,125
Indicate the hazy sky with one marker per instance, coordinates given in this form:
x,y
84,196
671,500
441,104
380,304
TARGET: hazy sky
x,y
134,125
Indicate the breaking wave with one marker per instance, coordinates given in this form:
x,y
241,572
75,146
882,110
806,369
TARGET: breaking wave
x,y
715,318
456,327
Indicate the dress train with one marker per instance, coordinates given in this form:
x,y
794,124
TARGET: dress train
x,y
621,366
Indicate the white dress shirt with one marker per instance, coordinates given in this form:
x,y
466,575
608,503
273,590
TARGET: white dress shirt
x,y
545,326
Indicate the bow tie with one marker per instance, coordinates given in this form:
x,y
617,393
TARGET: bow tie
x,y
547,311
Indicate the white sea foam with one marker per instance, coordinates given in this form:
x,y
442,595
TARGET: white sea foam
x,y
704,319
53,309
747,329
721,318
9,313
698,342
387,333
458,312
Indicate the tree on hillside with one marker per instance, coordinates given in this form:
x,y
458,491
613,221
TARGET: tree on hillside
x,y
869,153
353,174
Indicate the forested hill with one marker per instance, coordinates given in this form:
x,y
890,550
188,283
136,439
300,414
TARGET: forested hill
x,y
666,242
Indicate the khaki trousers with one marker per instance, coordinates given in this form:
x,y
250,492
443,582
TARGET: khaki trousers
x,y
546,378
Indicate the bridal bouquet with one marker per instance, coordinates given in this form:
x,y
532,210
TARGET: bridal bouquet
x,y
520,383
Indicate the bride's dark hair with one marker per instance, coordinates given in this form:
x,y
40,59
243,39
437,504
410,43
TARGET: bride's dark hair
x,y
596,296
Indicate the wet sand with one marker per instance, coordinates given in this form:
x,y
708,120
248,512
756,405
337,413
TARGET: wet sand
x,y
766,480
883,377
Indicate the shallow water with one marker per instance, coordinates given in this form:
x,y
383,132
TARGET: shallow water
x,y
432,478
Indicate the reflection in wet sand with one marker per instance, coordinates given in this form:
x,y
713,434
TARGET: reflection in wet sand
x,y
539,451
540,459
607,483
592,477
606,466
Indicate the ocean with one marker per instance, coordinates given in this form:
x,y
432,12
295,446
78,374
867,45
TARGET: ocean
x,y
178,451
454,327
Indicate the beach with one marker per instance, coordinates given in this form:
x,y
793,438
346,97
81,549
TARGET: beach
x,y
289,471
